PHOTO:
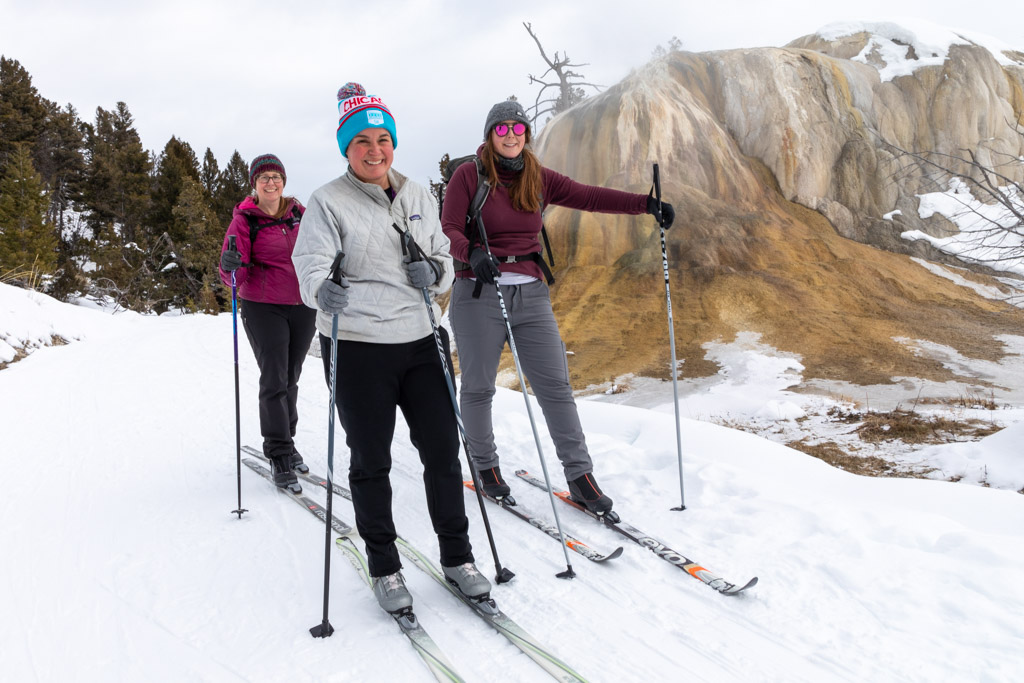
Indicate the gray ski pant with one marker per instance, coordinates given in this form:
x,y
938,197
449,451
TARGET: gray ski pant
x,y
480,336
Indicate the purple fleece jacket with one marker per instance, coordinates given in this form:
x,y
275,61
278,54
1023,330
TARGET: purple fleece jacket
x,y
271,279
515,233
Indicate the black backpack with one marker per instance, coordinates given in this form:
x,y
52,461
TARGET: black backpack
x,y
255,226
473,215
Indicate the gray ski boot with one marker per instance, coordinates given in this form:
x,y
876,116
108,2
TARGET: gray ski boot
x,y
391,593
468,579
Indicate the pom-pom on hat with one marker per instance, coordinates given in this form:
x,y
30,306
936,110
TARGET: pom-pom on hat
x,y
510,110
358,111
265,163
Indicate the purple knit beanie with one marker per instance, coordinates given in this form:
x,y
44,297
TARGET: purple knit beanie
x,y
265,163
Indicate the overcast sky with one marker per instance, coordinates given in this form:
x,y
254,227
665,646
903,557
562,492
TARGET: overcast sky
x,y
262,76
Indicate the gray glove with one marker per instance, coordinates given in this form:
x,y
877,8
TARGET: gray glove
x,y
230,260
333,298
422,273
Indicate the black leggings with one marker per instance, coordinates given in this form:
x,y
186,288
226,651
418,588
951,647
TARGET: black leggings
x,y
280,335
372,380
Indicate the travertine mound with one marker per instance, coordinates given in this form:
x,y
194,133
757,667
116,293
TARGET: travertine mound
x,y
780,166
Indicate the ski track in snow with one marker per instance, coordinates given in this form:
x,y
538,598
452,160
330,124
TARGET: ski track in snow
x,y
125,562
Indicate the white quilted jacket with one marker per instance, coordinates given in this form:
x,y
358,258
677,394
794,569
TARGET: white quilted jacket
x,y
357,218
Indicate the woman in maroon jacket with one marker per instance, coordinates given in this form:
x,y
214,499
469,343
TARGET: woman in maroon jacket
x,y
279,326
511,215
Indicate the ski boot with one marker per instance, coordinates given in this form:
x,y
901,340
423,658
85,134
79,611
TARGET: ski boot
x,y
284,477
473,585
585,491
297,464
493,485
392,595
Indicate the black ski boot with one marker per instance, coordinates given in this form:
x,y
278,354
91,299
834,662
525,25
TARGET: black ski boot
x,y
493,484
585,491
297,464
284,477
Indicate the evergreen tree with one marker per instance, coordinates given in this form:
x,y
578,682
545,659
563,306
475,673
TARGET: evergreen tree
x,y
176,163
209,174
116,198
27,242
232,187
61,161
194,239
22,110
116,188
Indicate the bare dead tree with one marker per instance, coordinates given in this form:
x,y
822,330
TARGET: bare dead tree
x,y
993,207
561,87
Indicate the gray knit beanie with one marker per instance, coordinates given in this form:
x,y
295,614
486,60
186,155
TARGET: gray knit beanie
x,y
509,110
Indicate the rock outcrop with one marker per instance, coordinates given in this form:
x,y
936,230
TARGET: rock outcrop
x,y
781,163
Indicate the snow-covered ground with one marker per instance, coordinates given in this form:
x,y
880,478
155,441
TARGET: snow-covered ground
x,y
123,562
762,390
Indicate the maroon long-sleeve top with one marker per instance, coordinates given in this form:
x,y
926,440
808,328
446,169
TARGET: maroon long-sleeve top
x,y
515,233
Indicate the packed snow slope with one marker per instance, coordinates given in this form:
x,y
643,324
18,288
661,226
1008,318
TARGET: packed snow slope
x,y
123,562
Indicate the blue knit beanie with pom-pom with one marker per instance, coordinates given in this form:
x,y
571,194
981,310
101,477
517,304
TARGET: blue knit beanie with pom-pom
x,y
358,111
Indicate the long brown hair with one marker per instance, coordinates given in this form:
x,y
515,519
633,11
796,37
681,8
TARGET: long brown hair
x,y
280,207
525,191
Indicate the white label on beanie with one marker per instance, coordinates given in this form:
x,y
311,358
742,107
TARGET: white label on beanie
x,y
375,117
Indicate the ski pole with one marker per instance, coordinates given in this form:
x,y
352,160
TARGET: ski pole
x,y
671,337
238,419
324,628
568,573
504,574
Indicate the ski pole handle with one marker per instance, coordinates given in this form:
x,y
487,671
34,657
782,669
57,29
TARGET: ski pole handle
x,y
335,274
232,246
657,188
407,244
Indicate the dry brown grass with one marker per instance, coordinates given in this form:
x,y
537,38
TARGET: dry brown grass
x,y
20,353
913,428
864,465
969,401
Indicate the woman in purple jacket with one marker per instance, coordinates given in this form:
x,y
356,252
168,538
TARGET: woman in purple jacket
x,y
279,326
511,215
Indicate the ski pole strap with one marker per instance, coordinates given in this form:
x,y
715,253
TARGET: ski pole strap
x,y
413,250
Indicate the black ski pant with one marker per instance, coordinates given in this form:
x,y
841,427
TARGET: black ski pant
x,y
372,381
280,335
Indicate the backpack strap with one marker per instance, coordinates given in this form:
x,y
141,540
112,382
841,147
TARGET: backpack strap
x,y
255,226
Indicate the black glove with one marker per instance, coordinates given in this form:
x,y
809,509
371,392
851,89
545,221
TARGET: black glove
x,y
230,260
422,273
484,266
666,216
333,298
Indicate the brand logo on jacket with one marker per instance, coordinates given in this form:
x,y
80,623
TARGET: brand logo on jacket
x,y
415,217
